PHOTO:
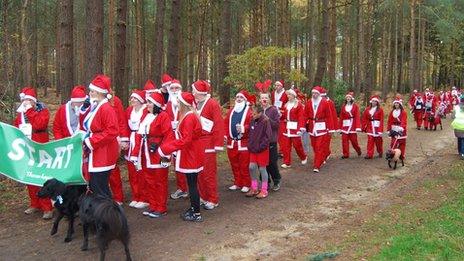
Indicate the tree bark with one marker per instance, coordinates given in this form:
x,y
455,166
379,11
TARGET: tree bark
x,y
66,48
412,47
310,43
111,37
6,63
159,41
173,39
322,60
93,39
120,79
332,40
139,68
225,50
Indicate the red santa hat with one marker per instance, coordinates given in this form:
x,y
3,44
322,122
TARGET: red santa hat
x,y
187,99
201,87
398,100
28,93
318,89
415,91
279,82
244,94
156,98
323,92
175,83
349,94
139,95
149,86
166,80
78,94
102,84
374,98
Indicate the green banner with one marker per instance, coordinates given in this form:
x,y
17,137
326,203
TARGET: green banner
x,y
34,163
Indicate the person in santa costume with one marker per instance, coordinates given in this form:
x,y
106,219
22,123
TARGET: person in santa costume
x,y
294,127
134,114
273,115
279,99
32,119
66,121
172,108
166,80
412,98
212,138
349,125
154,130
101,147
397,126
149,87
372,125
237,123
319,119
333,111
418,109
429,113
190,152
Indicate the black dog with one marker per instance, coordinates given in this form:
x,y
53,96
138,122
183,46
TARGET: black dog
x,y
65,199
107,218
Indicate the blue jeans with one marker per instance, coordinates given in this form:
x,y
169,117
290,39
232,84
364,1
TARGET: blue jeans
x,y
461,146
305,139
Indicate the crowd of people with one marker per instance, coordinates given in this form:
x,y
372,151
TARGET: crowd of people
x,y
168,128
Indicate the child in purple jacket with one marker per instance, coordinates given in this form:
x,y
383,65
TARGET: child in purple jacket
x,y
258,146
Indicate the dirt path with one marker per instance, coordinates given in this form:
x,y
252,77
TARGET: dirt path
x,y
311,212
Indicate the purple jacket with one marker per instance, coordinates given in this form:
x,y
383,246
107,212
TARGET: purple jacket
x,y
273,114
260,134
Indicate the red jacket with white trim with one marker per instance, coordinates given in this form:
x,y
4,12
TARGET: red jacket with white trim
x,y
132,126
39,121
212,134
294,119
173,114
350,121
319,120
102,130
242,143
154,129
399,123
190,150
372,124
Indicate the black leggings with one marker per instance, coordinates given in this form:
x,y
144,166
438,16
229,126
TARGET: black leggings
x,y
273,168
99,183
193,191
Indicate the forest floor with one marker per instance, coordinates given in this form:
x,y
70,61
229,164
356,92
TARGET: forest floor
x,y
311,214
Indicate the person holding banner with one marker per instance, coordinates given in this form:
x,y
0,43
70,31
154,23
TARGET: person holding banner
x,y
100,122
32,119
66,120
153,131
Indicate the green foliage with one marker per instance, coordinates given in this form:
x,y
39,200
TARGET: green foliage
x,y
260,63
336,91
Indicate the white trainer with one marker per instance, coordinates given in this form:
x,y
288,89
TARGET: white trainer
x,y
210,205
316,170
285,166
133,203
141,205
234,187
303,162
30,211
179,194
245,189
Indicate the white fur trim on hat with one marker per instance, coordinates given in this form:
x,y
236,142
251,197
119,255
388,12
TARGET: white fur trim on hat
x,y
175,84
166,84
138,97
314,90
398,101
78,99
278,83
183,101
97,89
241,95
195,89
375,99
149,98
291,91
23,96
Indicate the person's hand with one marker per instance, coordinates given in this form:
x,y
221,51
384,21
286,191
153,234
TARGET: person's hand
x,y
124,145
86,104
238,128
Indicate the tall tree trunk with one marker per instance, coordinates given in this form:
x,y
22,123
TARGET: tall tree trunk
x,y
24,40
66,48
173,39
111,37
159,40
402,50
226,48
359,76
310,43
322,60
256,32
332,40
412,47
138,69
120,79
93,39
6,57
395,52
32,43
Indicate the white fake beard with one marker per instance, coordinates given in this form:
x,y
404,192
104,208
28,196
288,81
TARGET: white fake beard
x,y
238,107
290,104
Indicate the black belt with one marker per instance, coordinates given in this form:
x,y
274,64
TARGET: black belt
x,y
374,119
317,119
134,130
40,131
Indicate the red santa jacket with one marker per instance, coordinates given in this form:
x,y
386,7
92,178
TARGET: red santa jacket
x,y
173,113
372,121
38,118
350,120
154,129
333,112
121,116
61,124
242,143
319,120
212,135
187,143
279,99
398,121
294,118
102,130
134,119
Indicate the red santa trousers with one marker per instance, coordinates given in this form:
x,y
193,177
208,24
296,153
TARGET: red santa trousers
x,y
261,159
116,184
374,141
400,144
319,148
207,180
281,136
239,161
418,117
43,204
287,148
346,139
156,188
137,183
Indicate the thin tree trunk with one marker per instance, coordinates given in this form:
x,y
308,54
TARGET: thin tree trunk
x,y
412,47
332,40
159,40
226,49
111,37
6,63
310,44
322,60
66,48
32,43
94,39
120,79
359,77
173,39
138,42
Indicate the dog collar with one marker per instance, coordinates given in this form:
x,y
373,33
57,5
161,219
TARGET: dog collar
x,y
59,198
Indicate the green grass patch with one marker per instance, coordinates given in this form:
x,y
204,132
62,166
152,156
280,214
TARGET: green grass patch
x,y
428,225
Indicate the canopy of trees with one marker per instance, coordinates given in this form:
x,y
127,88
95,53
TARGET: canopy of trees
x,y
383,45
